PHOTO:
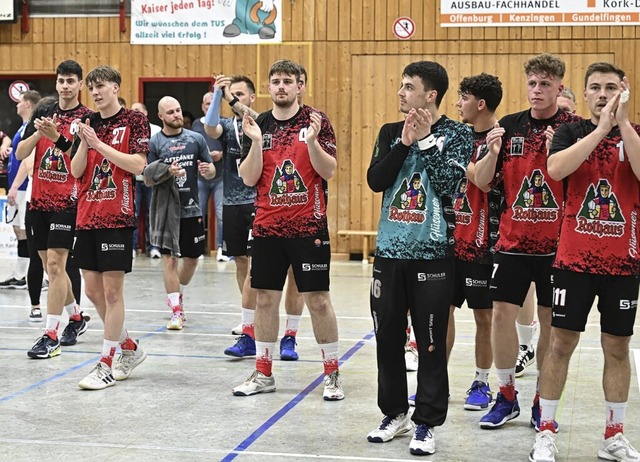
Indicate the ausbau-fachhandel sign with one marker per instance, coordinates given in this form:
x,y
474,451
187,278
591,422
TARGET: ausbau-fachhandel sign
x,y
496,13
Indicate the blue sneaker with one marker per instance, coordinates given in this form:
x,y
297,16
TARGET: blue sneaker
x,y
245,346
501,412
412,400
288,348
535,418
479,396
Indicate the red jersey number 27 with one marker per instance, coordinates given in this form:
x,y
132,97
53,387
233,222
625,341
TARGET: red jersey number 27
x,y
118,135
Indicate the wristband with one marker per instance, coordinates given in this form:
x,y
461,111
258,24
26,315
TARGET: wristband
x,y
427,142
233,101
63,144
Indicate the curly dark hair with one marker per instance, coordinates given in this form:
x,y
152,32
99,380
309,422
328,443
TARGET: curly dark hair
x,y
483,86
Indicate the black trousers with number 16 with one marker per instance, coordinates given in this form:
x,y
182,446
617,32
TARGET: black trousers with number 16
x,y
425,289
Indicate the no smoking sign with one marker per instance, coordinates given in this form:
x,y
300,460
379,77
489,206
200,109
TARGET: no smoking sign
x,y
404,28
16,88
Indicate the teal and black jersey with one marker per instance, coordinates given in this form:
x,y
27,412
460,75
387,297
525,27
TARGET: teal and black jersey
x,y
417,218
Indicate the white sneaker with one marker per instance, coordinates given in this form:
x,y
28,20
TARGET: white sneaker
x,y
99,378
390,428
423,441
127,361
618,448
177,321
256,383
221,257
155,252
544,448
237,330
411,358
333,387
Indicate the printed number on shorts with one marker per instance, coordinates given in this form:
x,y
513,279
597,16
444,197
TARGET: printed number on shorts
x,y
376,288
495,269
559,297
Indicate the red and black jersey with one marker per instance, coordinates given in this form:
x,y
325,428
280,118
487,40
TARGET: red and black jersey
x,y
530,223
471,206
54,188
291,196
105,198
599,233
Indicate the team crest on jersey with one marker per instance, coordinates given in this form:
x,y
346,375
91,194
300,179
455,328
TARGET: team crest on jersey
x,y
409,204
461,205
53,166
102,185
600,213
535,201
287,187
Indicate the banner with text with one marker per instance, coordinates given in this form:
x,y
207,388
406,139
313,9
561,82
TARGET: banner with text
x,y
205,22
496,13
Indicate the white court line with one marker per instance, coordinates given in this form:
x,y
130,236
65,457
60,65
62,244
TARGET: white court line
x,y
196,450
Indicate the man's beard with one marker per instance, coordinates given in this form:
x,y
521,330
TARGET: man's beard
x,y
176,123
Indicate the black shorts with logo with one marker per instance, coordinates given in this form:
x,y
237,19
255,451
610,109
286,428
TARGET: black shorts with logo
x,y
52,230
512,276
471,283
574,294
104,249
238,220
192,237
309,257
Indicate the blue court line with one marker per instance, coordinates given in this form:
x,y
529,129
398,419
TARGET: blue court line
x,y
291,404
63,373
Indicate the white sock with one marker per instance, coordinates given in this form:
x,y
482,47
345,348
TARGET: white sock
x,y
174,299
71,308
482,375
182,287
525,334
248,316
21,268
548,409
292,325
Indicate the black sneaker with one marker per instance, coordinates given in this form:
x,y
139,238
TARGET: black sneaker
x,y
74,330
13,283
44,348
19,284
35,315
526,357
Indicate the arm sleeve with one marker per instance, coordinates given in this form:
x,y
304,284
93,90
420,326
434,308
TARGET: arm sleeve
x,y
386,161
152,155
213,113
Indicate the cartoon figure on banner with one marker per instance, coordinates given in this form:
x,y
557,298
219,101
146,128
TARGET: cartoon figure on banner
x,y
253,17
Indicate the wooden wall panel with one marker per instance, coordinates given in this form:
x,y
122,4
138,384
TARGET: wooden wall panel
x,y
354,64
